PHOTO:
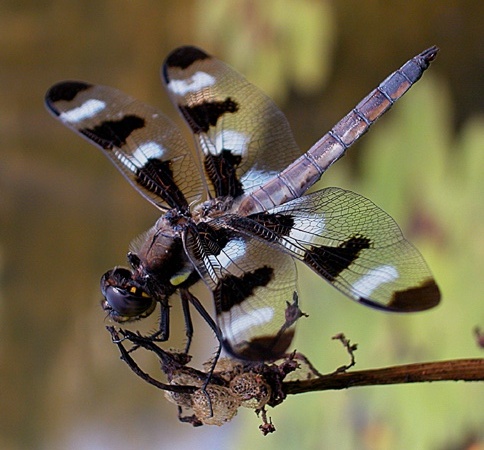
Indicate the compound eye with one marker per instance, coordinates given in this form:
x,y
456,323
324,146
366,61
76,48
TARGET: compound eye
x,y
124,300
131,304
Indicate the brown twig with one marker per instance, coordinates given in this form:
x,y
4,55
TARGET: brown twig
x,y
453,370
257,385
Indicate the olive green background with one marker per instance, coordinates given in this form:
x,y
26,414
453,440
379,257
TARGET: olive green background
x,y
66,216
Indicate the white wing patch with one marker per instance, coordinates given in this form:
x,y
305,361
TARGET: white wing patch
x,y
145,151
234,141
303,232
242,322
195,83
374,279
87,110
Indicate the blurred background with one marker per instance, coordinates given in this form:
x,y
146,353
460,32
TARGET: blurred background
x,y
66,215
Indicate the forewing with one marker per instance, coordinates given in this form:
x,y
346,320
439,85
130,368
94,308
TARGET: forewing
x,y
254,290
244,139
354,245
140,141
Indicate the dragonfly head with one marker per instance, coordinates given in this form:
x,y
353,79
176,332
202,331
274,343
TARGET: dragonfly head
x,y
125,300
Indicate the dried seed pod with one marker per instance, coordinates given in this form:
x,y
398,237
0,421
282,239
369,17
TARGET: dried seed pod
x,y
221,407
252,389
180,398
227,368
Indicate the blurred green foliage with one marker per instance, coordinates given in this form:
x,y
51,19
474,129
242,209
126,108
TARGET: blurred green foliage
x,y
277,44
429,180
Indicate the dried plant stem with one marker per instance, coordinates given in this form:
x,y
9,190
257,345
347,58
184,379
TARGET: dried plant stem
x,y
453,370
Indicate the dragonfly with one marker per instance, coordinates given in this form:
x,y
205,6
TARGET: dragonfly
x,y
235,214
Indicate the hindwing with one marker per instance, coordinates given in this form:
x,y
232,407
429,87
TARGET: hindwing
x,y
352,244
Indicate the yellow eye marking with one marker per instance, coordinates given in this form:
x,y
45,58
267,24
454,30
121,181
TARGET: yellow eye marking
x,y
135,291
